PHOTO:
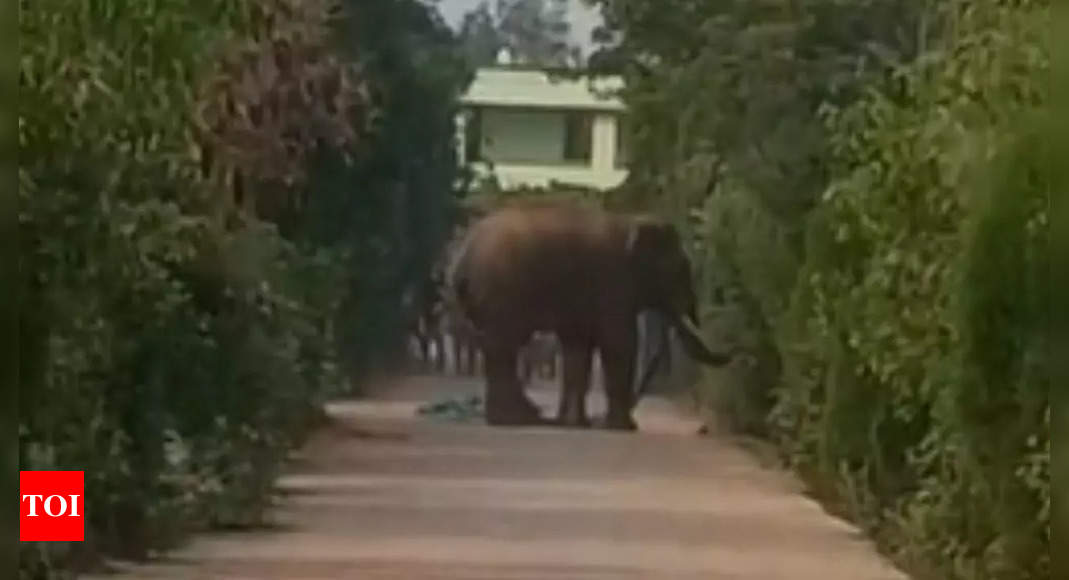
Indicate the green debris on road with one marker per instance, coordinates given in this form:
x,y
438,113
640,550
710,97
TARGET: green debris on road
x,y
458,409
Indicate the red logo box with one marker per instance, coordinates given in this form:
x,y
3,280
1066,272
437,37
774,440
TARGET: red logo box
x,y
51,506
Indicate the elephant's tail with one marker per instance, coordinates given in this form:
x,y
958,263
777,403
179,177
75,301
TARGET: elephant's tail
x,y
458,295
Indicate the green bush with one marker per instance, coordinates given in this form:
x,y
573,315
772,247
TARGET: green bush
x,y
390,207
922,386
174,344
866,203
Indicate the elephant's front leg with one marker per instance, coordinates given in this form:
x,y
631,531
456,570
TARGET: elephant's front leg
x,y
506,403
618,350
575,384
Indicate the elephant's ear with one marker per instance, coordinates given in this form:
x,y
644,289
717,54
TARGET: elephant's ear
x,y
649,236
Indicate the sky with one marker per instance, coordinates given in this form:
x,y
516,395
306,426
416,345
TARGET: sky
x,y
583,19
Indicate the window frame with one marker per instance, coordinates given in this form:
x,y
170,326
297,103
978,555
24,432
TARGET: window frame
x,y
475,128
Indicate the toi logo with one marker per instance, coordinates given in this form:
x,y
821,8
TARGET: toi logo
x,y
51,506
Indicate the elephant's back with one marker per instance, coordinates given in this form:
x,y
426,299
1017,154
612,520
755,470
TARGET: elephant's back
x,y
541,237
540,257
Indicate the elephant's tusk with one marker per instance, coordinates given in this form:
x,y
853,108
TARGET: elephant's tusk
x,y
693,343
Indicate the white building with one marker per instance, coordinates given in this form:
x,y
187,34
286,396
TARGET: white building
x,y
533,128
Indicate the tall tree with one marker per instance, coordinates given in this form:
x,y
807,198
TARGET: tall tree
x,y
391,207
535,31
479,36
726,102
864,180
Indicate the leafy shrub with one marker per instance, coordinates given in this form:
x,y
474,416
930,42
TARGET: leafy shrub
x,y
922,386
389,208
866,207
170,351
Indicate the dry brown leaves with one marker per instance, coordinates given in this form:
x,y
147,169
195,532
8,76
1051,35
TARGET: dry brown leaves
x,y
279,95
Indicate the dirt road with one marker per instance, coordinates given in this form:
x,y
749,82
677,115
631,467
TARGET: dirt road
x,y
383,494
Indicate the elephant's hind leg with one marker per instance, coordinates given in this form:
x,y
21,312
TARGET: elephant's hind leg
x,y
506,403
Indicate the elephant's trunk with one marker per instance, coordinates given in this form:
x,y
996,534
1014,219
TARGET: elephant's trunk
x,y
692,313
690,337
693,343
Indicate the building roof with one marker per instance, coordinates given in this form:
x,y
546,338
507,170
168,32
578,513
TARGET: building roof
x,y
517,87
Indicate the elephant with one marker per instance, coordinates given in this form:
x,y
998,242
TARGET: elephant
x,y
584,275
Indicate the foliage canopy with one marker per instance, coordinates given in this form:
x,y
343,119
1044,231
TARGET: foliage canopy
x,y
865,188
